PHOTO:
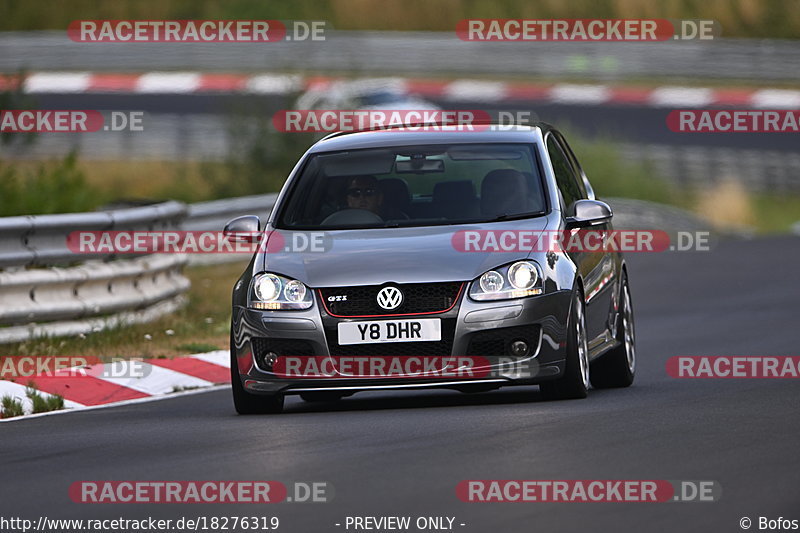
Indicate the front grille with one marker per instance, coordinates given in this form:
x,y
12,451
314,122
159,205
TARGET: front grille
x,y
417,298
441,348
495,342
282,347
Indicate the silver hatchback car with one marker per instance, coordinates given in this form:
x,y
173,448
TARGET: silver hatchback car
x,y
399,260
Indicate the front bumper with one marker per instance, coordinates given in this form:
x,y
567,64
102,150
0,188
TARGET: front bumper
x,y
479,331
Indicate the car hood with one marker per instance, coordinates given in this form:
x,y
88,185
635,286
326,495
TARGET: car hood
x,y
375,256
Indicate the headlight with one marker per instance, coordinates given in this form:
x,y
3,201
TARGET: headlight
x,y
518,280
270,291
295,291
491,282
267,287
522,275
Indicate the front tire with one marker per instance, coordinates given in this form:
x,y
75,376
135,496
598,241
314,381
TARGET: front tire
x,y
251,404
574,383
617,367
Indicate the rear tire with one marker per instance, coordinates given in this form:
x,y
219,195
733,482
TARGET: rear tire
x,y
617,367
574,383
251,404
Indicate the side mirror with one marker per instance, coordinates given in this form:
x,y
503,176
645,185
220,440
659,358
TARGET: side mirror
x,y
589,213
243,229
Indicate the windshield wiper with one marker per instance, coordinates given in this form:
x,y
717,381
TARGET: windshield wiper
x,y
506,216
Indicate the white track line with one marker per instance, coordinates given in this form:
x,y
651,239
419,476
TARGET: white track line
x,y
272,84
776,99
57,82
478,90
168,82
681,97
580,94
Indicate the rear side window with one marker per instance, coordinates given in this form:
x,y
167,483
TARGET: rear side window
x,y
579,174
565,175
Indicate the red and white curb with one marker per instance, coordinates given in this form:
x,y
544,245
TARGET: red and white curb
x,y
463,89
98,386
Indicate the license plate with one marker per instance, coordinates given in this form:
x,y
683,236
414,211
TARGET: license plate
x,y
373,331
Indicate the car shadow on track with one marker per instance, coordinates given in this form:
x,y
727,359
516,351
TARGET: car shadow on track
x,y
371,401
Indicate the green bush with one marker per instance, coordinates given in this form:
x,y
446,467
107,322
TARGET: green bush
x,y
260,159
49,188
10,407
611,175
43,404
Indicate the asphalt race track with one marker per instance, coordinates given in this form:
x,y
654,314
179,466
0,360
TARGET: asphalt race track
x,y
622,123
403,454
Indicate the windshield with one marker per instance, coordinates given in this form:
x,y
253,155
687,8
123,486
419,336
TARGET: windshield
x,y
415,186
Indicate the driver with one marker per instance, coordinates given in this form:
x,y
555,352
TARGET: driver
x,y
363,193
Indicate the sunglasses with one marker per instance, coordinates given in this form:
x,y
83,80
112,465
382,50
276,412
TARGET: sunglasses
x,y
358,193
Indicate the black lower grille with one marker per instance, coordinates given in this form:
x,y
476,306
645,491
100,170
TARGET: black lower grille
x,y
281,347
417,298
440,348
495,342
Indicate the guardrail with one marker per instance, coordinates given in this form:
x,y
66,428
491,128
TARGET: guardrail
x,y
41,240
48,290
699,167
418,52
93,296
65,299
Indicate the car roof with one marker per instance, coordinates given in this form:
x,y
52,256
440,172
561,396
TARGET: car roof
x,y
450,135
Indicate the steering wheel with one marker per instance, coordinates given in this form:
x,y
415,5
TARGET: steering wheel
x,y
352,216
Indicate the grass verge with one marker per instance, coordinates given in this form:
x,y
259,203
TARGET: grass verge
x,y
11,407
43,404
727,205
